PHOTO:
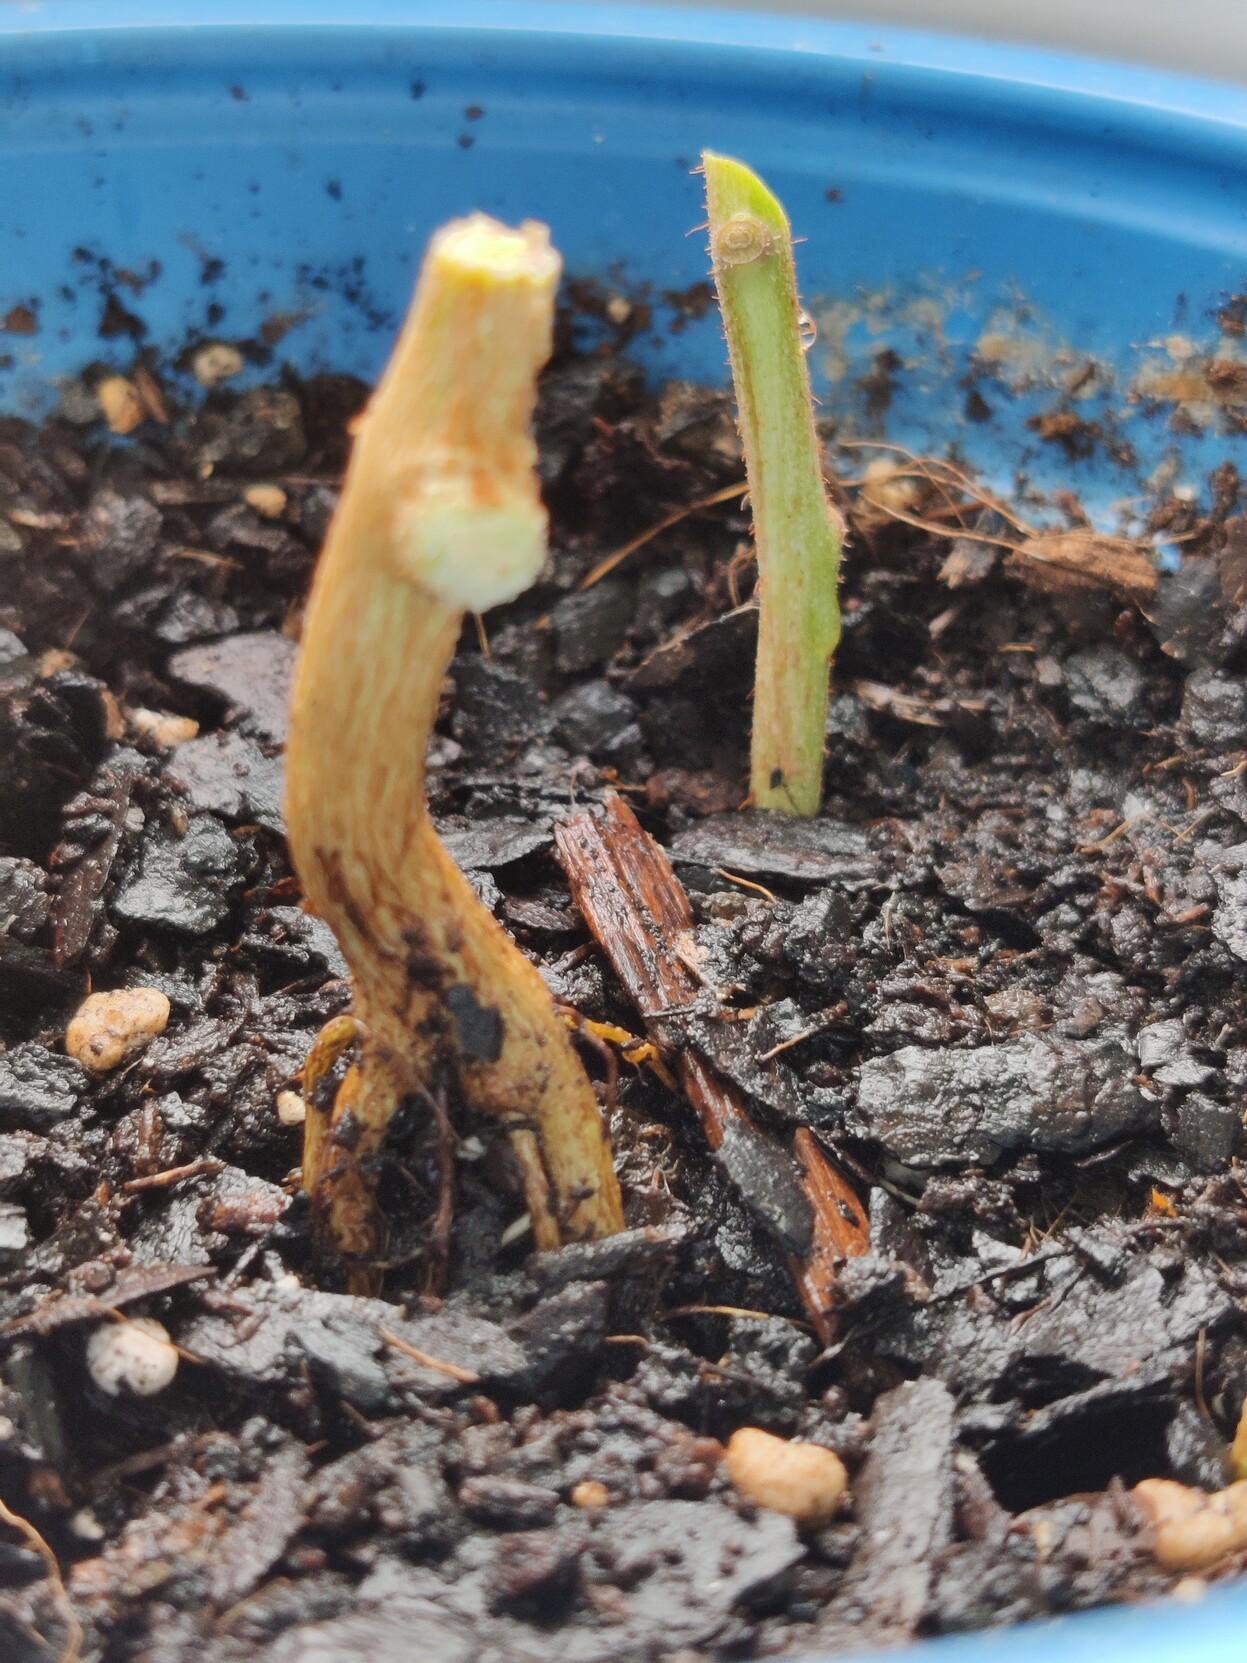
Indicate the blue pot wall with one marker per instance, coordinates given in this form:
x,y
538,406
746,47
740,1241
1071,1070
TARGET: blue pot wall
x,y
1024,212
273,158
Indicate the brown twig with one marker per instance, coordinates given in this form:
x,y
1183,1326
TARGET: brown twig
x,y
941,474
174,1175
794,1040
628,892
744,1312
608,1059
607,565
71,1651
1064,561
747,883
465,1377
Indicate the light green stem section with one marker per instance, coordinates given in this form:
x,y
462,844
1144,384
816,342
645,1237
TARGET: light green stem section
x,y
795,527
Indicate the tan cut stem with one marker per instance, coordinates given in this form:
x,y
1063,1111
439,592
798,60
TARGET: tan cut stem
x,y
439,515
1191,1529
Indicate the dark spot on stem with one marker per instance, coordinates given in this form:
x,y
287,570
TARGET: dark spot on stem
x,y
424,967
330,863
479,1028
346,1130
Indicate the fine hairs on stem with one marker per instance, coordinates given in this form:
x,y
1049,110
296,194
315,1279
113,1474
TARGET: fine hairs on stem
x,y
440,515
797,531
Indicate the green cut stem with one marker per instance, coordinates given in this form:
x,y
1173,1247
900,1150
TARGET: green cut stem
x,y
796,530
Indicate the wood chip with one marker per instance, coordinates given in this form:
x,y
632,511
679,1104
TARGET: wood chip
x,y
138,1282
79,905
149,390
628,892
1074,562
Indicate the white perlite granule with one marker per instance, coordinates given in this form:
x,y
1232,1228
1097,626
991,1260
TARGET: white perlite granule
x,y
135,1357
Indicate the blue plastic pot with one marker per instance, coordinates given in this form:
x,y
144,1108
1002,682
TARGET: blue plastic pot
x,y
1037,231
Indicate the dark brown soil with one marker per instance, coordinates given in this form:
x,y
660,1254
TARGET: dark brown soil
x,y
1009,954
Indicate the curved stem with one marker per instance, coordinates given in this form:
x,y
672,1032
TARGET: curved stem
x,y
439,514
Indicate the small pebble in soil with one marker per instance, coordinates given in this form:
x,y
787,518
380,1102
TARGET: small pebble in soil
x,y
120,401
162,728
803,1481
269,501
107,1028
136,1357
590,1494
291,1109
216,362
86,1527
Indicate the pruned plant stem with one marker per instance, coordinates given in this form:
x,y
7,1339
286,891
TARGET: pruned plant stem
x,y
440,515
797,531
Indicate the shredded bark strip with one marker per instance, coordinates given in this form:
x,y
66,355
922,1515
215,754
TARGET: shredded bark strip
x,y
631,899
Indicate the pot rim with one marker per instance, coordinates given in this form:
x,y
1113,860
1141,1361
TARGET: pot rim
x,y
967,56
